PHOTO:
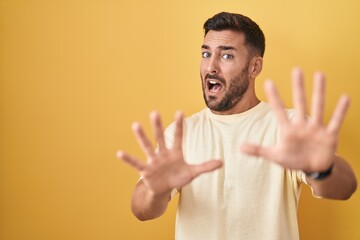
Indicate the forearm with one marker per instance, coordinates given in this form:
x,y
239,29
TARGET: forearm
x,y
341,184
146,205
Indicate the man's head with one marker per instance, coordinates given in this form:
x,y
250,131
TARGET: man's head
x,y
254,37
231,60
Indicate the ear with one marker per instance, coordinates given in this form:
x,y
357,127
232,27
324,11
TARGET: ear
x,y
255,66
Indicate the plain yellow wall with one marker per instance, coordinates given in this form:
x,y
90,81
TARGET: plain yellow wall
x,y
75,74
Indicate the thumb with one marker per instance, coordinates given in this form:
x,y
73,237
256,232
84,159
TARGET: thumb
x,y
205,167
255,150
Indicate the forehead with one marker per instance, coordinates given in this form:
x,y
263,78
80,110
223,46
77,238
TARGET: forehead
x,y
214,39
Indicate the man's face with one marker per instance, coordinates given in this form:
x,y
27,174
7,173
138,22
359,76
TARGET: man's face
x,y
224,69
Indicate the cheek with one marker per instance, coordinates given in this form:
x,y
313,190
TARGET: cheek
x,y
229,71
202,66
202,70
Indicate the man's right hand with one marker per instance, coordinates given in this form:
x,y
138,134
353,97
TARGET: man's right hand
x,y
166,168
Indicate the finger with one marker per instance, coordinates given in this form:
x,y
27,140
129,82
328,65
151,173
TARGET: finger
x,y
142,139
339,114
299,98
135,163
258,151
179,118
205,167
158,129
275,102
269,154
318,98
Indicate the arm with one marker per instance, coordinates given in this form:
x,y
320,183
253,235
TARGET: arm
x,y
146,204
307,144
164,171
341,183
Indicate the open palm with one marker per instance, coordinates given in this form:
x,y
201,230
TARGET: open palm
x,y
305,143
166,168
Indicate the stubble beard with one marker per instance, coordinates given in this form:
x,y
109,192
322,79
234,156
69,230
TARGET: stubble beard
x,y
233,94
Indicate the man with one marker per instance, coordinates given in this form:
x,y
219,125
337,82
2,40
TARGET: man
x,y
255,158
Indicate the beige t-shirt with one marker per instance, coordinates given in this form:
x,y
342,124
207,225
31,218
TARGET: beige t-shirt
x,y
248,198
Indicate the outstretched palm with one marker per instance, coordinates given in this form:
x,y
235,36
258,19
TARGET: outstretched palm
x,y
305,143
166,168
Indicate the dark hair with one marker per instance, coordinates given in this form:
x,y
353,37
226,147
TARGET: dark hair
x,y
254,37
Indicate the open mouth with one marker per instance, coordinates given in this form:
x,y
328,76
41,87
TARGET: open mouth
x,y
214,86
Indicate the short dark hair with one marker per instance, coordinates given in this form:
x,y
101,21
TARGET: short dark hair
x,y
254,37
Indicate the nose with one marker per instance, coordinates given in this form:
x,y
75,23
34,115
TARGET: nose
x,y
212,65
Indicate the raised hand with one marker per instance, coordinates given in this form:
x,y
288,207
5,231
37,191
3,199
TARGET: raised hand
x,y
305,143
166,168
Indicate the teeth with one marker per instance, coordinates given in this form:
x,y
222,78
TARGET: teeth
x,y
212,82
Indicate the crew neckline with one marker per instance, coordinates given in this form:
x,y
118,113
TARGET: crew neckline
x,y
231,117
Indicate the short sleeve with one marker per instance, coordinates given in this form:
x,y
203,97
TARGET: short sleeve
x,y
169,135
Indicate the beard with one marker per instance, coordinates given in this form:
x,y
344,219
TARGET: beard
x,y
233,93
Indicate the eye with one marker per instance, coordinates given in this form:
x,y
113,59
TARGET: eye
x,y
227,56
205,54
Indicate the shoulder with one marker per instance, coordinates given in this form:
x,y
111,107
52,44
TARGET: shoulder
x,y
290,113
196,117
192,120
268,112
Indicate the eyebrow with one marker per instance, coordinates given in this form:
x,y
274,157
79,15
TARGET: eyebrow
x,y
221,47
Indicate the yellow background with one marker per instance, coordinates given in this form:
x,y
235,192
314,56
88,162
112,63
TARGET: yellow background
x,y
75,74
